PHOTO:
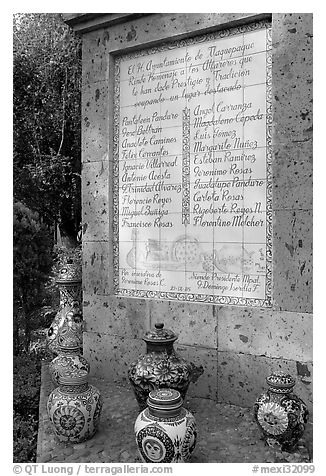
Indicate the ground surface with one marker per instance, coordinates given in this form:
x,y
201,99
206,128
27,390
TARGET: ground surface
x,y
226,433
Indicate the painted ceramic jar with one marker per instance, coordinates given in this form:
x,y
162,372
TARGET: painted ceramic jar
x,y
160,367
69,359
69,281
74,408
165,431
281,415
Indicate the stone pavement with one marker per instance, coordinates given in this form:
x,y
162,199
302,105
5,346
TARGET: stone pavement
x,y
226,433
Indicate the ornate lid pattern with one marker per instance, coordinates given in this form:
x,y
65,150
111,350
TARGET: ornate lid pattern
x,y
280,381
164,402
159,334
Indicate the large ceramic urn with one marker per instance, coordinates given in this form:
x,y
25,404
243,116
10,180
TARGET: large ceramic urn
x,y
69,359
74,407
280,414
160,367
69,280
165,431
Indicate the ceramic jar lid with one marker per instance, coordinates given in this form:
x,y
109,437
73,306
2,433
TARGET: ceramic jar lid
x,y
165,402
159,334
280,381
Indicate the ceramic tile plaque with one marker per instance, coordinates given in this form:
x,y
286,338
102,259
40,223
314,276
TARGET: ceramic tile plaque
x,y
192,169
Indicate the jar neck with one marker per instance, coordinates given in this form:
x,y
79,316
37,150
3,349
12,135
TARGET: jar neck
x,y
73,389
75,351
159,347
163,413
70,293
280,390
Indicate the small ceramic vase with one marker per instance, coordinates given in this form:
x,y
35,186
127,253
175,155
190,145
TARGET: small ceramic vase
x,y
165,431
74,408
160,367
69,281
69,360
281,415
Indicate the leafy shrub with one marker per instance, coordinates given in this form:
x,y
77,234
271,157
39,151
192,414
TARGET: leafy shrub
x,y
33,246
26,406
26,384
46,107
25,438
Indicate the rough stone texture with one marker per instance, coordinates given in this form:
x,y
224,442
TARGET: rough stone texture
x,y
292,78
292,166
96,275
124,318
95,59
280,335
95,103
292,176
292,250
206,385
95,202
226,433
287,335
194,324
241,377
110,356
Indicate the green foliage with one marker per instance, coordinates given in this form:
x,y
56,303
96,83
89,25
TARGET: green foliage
x,y
46,166
32,263
25,439
32,250
26,384
25,404
47,145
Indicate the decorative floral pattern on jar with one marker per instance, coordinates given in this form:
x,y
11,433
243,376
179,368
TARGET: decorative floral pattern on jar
x,y
74,408
69,358
69,361
281,415
69,364
160,367
69,281
165,431
70,333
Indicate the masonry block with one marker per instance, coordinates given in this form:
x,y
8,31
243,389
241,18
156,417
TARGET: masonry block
x,y
293,176
95,201
206,385
292,77
194,324
96,277
292,254
118,316
111,356
286,335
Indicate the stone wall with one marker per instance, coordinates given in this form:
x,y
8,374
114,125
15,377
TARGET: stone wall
x,y
238,347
